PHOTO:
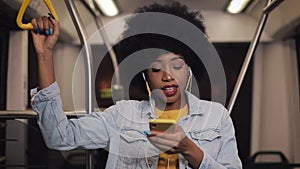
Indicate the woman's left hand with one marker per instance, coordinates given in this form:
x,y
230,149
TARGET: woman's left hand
x,y
177,142
170,143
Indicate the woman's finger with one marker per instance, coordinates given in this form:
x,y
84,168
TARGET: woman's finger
x,y
40,25
35,26
166,148
162,136
46,25
164,142
55,24
50,27
178,136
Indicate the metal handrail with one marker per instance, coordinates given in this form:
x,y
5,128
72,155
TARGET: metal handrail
x,y
271,5
117,87
84,42
83,39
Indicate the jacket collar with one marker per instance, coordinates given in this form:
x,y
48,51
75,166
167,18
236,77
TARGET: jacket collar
x,y
193,103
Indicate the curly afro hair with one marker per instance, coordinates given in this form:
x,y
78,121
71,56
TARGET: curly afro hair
x,y
139,41
176,9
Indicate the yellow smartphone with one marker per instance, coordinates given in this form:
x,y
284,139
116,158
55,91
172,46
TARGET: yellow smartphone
x,y
165,125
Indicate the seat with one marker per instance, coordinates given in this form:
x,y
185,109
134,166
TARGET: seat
x,y
283,163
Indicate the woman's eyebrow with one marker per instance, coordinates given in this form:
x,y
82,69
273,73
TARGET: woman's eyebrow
x,y
175,58
179,57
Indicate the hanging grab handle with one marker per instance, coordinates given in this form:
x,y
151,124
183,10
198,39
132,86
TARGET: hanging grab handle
x,y
23,8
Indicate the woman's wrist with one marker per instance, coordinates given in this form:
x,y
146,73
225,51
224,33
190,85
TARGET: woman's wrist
x,y
193,154
46,54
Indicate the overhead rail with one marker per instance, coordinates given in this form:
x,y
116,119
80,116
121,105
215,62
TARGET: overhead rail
x,y
271,5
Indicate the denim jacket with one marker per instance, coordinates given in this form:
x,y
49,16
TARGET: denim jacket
x,y
120,128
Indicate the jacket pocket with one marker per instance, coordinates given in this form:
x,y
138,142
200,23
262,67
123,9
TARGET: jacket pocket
x,y
134,147
208,135
208,140
132,143
132,136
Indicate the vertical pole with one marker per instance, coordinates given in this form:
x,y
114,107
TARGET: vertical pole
x,y
88,65
271,5
117,88
247,60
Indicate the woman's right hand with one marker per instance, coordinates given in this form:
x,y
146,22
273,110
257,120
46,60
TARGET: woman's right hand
x,y
45,34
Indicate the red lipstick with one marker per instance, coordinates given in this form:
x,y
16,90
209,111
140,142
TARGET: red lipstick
x,y
170,90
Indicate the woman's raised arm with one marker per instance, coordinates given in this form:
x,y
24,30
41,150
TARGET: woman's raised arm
x,y
45,35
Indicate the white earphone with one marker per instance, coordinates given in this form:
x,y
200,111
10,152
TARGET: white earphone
x,y
189,81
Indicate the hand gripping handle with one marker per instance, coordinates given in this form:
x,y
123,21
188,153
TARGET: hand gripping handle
x,y
28,26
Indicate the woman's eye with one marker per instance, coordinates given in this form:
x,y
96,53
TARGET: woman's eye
x,y
155,69
177,67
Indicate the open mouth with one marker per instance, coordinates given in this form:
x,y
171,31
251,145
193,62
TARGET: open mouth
x,y
170,90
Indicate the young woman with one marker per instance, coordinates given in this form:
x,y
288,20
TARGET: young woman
x,y
204,135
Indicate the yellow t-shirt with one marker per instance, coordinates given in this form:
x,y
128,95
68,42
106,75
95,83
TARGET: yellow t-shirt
x,y
166,160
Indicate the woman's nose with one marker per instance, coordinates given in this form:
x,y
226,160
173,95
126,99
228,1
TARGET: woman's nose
x,y
167,77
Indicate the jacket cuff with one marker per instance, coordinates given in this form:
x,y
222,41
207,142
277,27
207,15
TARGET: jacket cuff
x,y
45,94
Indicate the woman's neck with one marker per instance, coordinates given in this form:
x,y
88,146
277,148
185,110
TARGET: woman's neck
x,y
162,105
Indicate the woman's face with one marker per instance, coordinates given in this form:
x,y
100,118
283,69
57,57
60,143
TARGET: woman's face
x,y
167,77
